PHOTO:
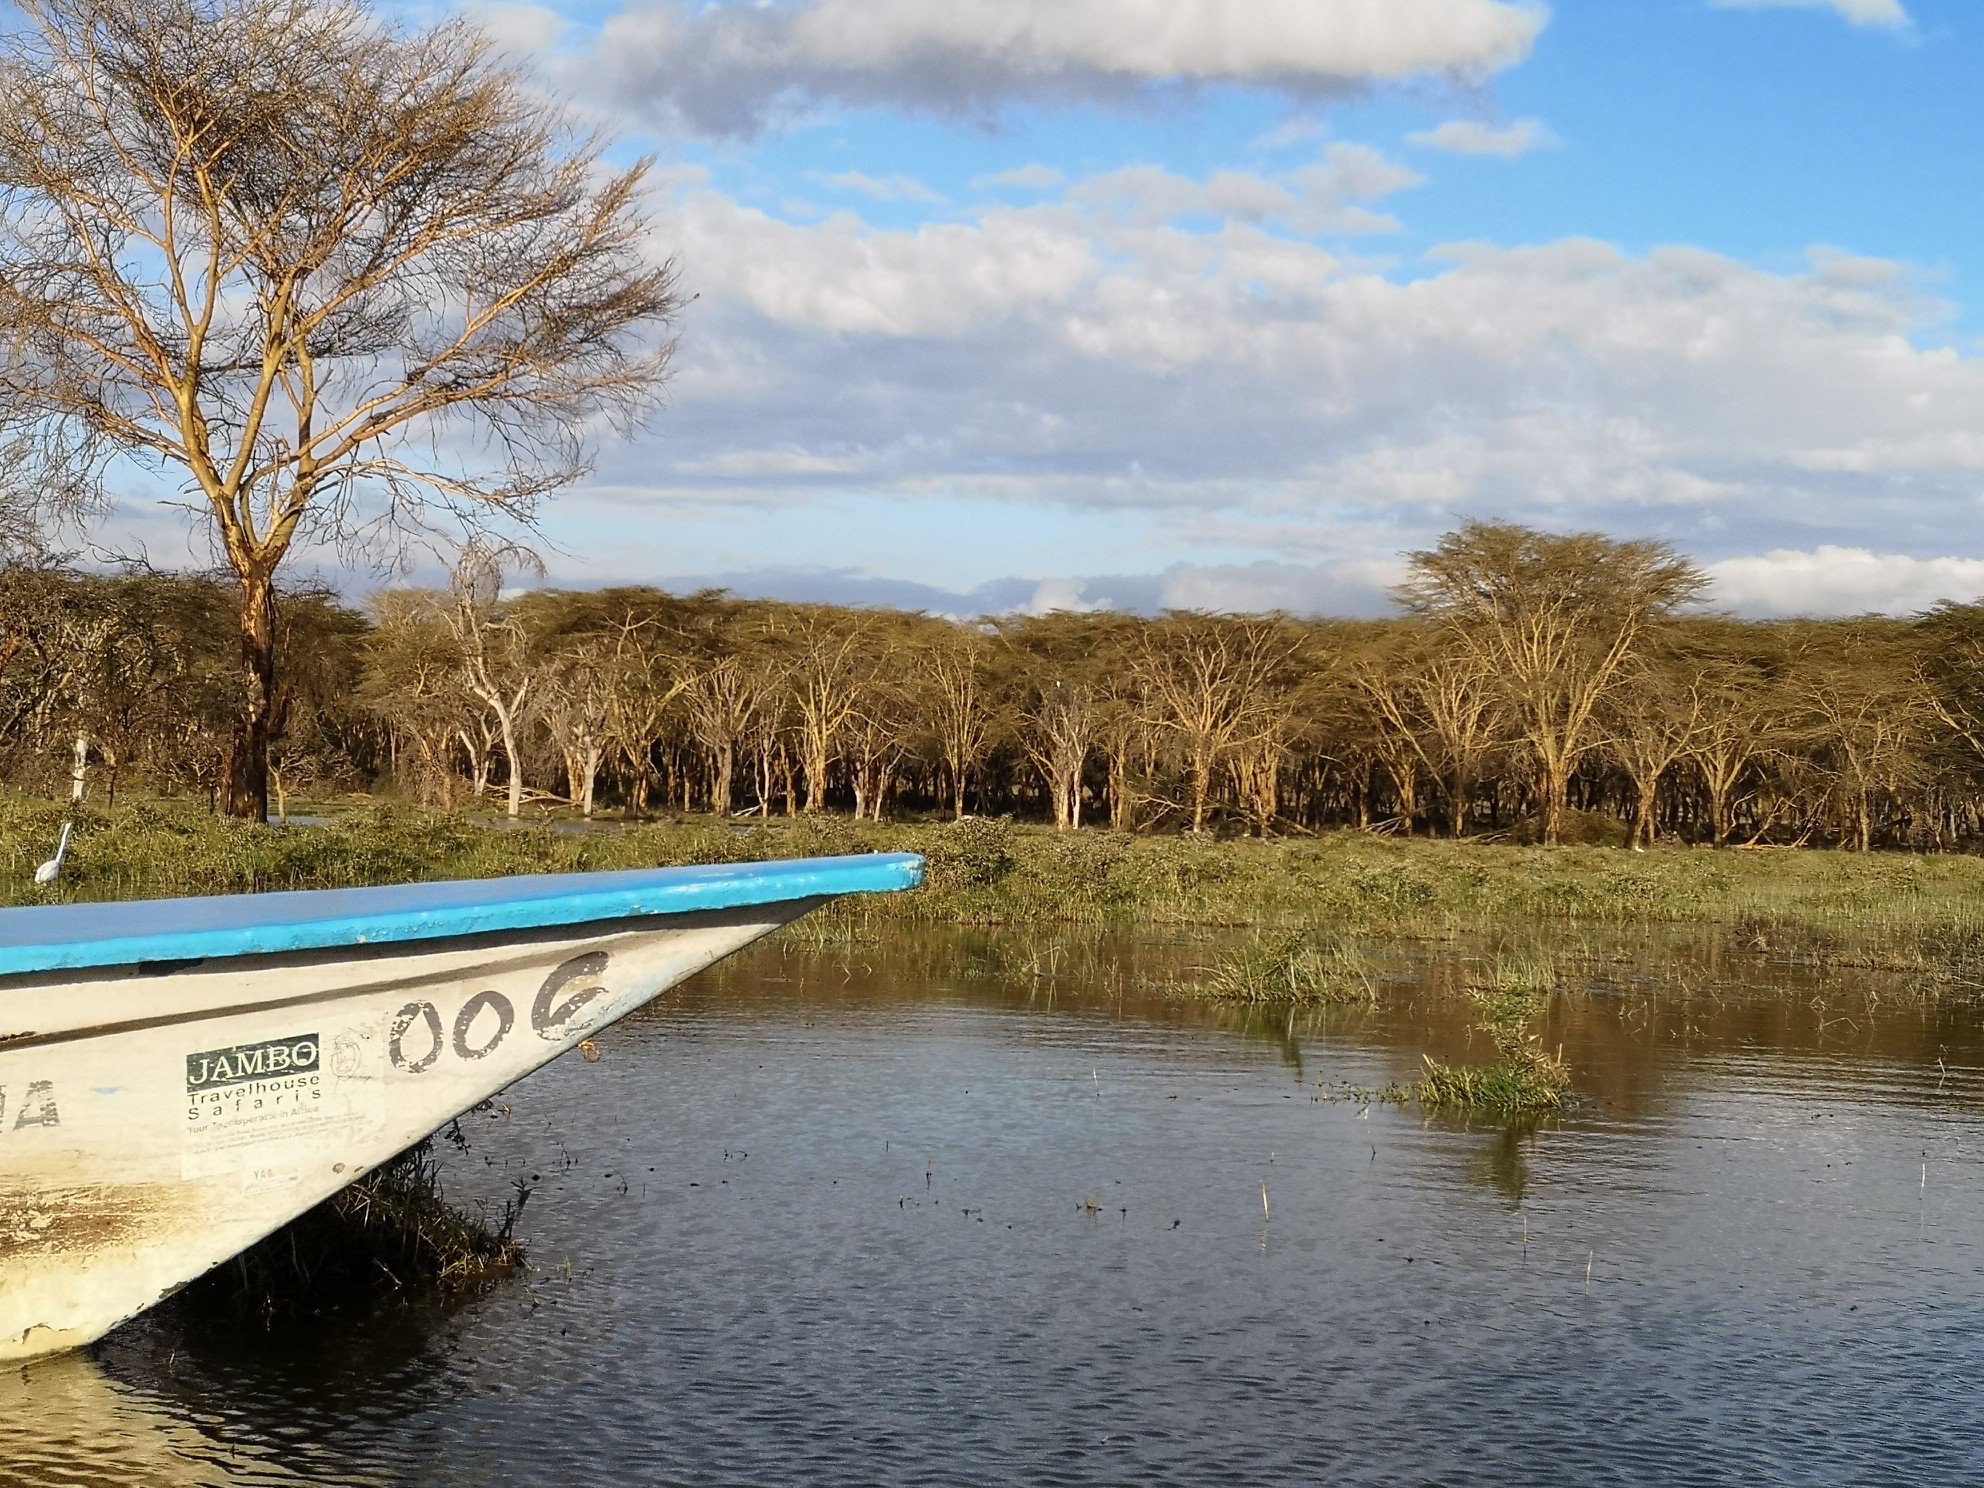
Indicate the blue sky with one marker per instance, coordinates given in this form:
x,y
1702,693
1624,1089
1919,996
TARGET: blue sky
x,y
1228,302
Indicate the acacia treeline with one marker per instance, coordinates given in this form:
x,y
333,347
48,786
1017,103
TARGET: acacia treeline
x,y
1545,687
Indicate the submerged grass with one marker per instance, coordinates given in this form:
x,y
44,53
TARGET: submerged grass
x,y
1526,1078
1288,967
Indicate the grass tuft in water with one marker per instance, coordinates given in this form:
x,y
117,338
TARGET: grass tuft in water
x,y
1290,968
392,1231
1526,1077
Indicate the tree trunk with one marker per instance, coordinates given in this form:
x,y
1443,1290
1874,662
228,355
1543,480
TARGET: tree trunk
x,y
515,764
725,767
1267,792
478,762
1405,788
247,793
594,756
1556,786
816,776
1457,803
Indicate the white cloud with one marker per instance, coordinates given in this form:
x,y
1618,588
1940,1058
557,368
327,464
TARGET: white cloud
x,y
520,29
1034,177
1324,197
1859,12
1355,587
1099,245
1061,594
1832,580
750,464
1177,351
842,277
1471,137
732,68
880,188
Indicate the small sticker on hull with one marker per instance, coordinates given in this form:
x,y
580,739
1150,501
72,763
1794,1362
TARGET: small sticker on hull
x,y
247,1103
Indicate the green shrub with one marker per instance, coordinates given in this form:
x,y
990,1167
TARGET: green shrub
x,y
975,853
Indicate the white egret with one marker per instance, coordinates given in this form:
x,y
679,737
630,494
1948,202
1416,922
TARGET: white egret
x,y
47,872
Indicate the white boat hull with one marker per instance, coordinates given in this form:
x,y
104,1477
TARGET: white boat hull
x,y
157,1120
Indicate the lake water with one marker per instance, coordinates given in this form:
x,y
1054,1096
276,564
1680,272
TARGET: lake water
x,y
943,1212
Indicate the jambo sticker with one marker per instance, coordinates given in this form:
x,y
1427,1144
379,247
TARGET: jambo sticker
x,y
271,1059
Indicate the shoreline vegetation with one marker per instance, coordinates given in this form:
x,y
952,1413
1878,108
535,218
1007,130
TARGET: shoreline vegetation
x,y
996,871
1323,895
1308,921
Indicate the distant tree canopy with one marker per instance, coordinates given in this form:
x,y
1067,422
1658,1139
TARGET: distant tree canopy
x,y
334,275
1631,718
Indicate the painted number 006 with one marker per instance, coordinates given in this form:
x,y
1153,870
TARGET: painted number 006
x,y
418,1037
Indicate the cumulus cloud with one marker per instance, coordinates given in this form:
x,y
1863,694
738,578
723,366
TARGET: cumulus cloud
x,y
733,68
1471,137
1859,12
1831,580
1107,233
1176,352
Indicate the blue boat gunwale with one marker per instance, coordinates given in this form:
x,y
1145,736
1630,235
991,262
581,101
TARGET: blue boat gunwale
x,y
58,937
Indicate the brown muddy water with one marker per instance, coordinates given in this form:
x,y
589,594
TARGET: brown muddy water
x,y
956,1211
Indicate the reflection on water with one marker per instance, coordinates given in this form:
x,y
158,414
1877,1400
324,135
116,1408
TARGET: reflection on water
x,y
64,1421
970,1211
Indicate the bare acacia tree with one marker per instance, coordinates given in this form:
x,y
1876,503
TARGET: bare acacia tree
x,y
1555,620
330,271
1652,722
647,679
957,698
1436,699
412,684
831,673
1209,683
498,667
1057,732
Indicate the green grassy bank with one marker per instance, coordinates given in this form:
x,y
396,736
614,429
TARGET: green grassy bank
x,y
991,873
